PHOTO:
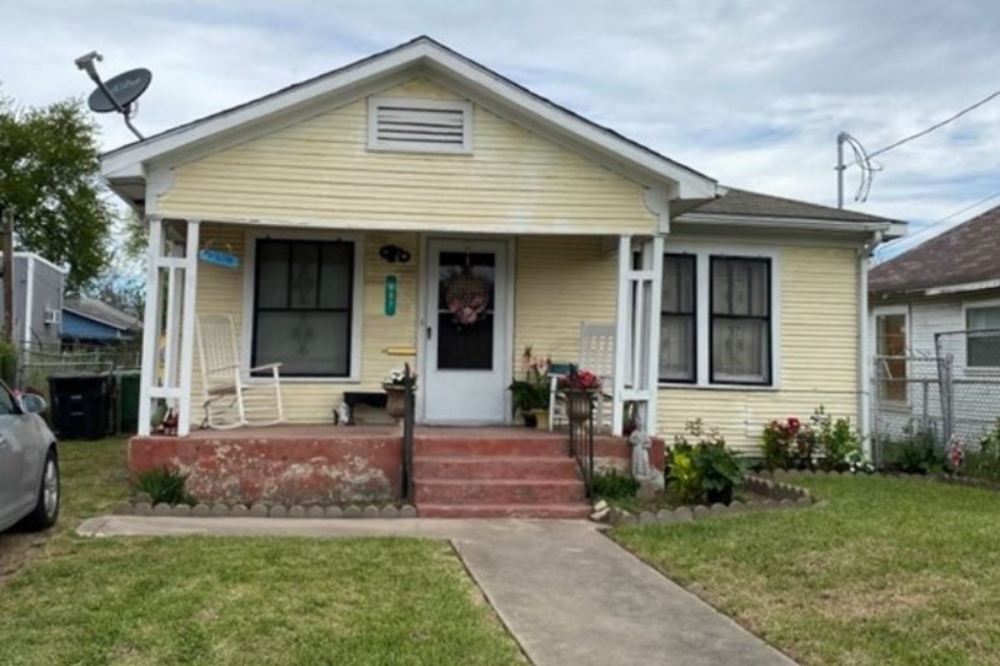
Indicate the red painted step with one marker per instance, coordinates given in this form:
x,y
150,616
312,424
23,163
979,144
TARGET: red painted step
x,y
503,491
559,511
471,467
549,446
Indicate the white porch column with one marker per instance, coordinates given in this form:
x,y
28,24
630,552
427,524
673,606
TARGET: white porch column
x,y
637,330
187,324
151,325
622,334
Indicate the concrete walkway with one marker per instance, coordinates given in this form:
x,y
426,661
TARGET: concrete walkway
x,y
567,593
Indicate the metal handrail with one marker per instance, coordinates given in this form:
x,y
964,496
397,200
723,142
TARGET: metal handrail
x,y
409,382
581,438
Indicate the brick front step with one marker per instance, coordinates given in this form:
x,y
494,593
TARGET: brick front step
x,y
535,446
505,491
559,511
484,467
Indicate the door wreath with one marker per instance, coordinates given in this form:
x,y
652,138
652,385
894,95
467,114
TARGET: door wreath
x,y
467,297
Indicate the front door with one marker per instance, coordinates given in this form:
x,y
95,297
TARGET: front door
x,y
466,339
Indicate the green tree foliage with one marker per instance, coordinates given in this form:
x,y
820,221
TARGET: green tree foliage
x,y
49,173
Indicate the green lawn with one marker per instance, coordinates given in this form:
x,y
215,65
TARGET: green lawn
x,y
892,571
204,600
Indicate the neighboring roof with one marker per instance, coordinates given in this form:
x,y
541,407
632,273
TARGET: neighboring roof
x,y
744,203
101,312
125,164
964,255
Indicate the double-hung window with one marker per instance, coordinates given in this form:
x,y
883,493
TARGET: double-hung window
x,y
983,337
303,307
678,326
740,322
717,319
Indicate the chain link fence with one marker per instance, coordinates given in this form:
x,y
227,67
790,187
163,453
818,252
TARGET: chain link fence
x,y
970,380
929,401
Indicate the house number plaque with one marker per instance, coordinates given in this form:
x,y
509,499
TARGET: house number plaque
x,y
390,295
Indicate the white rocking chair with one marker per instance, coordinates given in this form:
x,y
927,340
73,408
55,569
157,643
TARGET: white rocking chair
x,y
229,402
597,354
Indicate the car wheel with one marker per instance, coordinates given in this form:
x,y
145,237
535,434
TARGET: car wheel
x,y
47,508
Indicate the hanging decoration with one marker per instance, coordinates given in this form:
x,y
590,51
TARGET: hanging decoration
x,y
218,256
467,296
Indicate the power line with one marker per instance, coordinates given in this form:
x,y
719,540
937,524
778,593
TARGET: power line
x,y
936,126
923,234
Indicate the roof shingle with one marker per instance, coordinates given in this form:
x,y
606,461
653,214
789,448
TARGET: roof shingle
x,y
967,253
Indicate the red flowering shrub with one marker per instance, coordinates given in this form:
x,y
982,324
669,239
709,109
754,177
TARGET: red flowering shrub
x,y
579,379
788,445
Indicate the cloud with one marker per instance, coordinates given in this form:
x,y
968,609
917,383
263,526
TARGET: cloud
x,y
751,93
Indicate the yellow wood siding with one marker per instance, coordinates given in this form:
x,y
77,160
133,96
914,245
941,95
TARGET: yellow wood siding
x,y
819,362
320,173
559,284
220,291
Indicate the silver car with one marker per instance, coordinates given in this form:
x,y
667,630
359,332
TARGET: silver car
x,y
29,464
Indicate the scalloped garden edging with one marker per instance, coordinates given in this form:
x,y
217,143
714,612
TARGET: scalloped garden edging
x,y
778,497
141,505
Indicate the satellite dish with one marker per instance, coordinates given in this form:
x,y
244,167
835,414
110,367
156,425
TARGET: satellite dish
x,y
124,89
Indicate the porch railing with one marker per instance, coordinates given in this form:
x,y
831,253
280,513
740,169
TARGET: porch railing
x,y
580,412
409,382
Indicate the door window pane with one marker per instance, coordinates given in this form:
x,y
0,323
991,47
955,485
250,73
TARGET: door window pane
x,y
466,293
890,345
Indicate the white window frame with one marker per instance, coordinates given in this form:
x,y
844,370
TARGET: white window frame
x,y
374,103
977,305
249,286
892,311
703,253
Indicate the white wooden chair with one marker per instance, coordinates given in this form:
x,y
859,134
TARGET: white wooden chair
x,y
597,354
230,402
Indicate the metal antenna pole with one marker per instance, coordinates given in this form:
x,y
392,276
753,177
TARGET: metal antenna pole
x,y
841,138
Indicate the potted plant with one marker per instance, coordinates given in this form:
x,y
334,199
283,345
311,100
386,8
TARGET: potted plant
x,y
530,396
580,386
395,391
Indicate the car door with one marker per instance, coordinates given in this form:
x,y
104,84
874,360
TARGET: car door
x,y
16,497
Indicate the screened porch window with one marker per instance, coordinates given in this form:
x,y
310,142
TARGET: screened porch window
x,y
303,306
740,321
677,319
983,346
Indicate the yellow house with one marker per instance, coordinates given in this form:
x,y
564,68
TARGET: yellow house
x,y
417,200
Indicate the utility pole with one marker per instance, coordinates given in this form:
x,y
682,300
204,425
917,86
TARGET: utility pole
x,y
7,231
841,138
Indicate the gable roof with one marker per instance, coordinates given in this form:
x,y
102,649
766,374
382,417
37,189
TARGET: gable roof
x,y
126,164
967,254
101,312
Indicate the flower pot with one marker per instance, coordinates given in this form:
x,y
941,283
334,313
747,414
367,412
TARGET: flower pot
x,y
395,404
541,418
579,405
529,420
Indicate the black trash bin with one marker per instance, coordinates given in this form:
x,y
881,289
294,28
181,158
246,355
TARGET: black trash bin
x,y
80,405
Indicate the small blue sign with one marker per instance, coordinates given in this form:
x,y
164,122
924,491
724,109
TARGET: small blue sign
x,y
219,258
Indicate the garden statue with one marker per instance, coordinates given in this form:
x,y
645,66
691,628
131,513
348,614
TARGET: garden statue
x,y
641,470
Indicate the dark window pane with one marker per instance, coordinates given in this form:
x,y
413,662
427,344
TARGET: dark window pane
x,y
741,350
677,348
305,275
336,276
305,343
464,346
740,347
466,284
272,274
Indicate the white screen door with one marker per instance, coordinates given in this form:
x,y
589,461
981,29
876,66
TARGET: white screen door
x,y
466,378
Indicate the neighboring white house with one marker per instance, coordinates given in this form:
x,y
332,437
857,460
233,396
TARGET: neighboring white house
x,y
941,300
38,299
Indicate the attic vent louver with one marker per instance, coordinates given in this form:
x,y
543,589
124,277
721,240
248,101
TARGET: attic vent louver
x,y
419,125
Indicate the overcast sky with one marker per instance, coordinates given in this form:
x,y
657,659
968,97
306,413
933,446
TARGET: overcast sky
x,y
750,92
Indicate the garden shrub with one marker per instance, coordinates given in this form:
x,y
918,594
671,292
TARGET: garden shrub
x,y
915,453
614,486
164,486
8,364
706,471
985,463
788,445
830,443
836,440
